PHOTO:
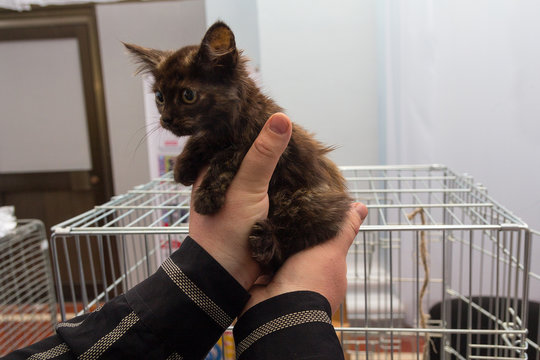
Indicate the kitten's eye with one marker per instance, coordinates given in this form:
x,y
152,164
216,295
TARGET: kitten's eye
x,y
159,97
189,96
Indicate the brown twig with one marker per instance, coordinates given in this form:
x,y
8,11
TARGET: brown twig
x,y
424,257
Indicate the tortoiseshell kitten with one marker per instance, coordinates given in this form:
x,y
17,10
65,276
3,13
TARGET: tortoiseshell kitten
x,y
205,92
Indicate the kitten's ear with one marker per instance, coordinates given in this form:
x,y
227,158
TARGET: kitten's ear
x,y
148,59
218,48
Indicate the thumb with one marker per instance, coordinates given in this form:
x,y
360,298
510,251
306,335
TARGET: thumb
x,y
351,226
261,159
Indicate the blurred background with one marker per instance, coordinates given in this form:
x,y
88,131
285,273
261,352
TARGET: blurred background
x,y
388,82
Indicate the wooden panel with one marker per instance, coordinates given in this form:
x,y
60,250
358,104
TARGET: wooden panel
x,y
75,180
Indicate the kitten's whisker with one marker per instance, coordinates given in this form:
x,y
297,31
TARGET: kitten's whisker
x,y
148,129
145,129
147,135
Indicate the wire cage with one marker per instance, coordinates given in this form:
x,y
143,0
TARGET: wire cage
x,y
439,270
27,299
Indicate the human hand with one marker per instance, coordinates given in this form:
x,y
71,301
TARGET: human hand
x,y
322,268
224,235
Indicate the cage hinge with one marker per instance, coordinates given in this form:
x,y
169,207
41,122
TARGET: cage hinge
x,y
62,230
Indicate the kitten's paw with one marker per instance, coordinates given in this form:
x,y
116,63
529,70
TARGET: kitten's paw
x,y
186,178
208,202
184,174
264,246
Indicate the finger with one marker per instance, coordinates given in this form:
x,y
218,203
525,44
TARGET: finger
x,y
261,159
362,210
263,280
356,215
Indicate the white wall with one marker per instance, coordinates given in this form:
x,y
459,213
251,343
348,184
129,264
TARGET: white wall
x,y
162,25
318,61
241,16
462,89
57,104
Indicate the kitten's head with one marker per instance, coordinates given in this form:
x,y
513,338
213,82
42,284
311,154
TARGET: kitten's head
x,y
196,87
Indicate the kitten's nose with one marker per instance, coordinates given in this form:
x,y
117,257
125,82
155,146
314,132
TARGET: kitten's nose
x,y
166,120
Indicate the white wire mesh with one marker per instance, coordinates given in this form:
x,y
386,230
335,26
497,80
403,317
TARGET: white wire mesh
x,y
27,302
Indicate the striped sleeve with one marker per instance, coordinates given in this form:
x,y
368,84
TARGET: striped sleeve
x,y
51,348
295,325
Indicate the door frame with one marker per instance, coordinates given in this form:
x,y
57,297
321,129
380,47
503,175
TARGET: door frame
x,y
75,22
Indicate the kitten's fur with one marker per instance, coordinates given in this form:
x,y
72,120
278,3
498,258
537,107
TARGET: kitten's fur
x,y
205,92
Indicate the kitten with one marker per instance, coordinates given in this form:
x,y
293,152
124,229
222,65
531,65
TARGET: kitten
x,y
205,92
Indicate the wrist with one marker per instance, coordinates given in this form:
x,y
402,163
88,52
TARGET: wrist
x,y
290,324
239,264
245,273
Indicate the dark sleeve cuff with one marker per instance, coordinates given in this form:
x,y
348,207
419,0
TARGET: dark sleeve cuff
x,y
189,301
51,346
295,325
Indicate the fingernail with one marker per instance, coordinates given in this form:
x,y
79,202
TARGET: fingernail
x,y
361,209
279,124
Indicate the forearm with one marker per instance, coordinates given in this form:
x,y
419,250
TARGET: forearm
x,y
294,325
196,302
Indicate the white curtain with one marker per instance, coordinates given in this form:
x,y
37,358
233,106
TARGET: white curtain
x,y
460,85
